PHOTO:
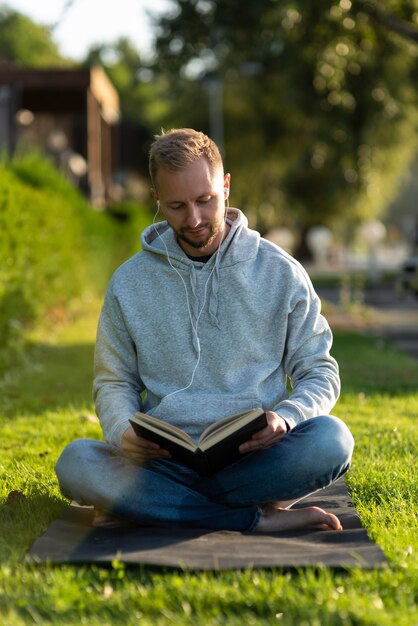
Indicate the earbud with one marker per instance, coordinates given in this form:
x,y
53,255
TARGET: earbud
x,y
158,205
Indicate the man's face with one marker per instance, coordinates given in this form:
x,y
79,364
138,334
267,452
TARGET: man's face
x,y
192,201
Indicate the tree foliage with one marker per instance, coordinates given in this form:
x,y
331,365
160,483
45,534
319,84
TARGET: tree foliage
x,y
25,43
319,99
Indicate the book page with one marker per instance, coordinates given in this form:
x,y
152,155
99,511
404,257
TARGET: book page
x,y
164,429
224,427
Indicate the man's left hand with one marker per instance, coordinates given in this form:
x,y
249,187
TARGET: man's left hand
x,y
274,431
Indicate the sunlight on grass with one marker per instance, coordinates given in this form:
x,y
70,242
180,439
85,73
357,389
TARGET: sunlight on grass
x,y
47,403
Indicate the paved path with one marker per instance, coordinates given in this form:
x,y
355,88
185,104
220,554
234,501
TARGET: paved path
x,y
386,314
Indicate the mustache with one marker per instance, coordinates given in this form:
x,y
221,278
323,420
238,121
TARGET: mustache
x,y
185,229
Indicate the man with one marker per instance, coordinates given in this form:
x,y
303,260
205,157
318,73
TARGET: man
x,y
208,320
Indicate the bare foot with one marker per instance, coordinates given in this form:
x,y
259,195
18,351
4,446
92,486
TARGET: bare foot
x,y
101,519
312,517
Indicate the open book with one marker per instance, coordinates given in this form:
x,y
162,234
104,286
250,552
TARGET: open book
x,y
217,446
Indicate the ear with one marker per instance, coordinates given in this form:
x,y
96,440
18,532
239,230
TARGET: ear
x,y
154,194
227,182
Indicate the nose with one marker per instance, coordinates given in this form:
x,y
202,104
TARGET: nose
x,y
193,217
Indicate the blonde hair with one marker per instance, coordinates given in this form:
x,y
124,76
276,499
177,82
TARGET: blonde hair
x,y
177,148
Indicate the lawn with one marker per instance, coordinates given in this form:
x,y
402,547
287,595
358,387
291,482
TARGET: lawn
x,y
46,402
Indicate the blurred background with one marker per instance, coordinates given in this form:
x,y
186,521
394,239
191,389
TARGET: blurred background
x,y
314,106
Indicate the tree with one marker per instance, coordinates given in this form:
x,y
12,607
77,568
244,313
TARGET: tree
x,y
25,43
319,100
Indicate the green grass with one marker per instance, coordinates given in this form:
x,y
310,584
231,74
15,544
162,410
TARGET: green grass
x,y
46,403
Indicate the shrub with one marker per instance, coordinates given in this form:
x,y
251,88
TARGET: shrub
x,y
53,246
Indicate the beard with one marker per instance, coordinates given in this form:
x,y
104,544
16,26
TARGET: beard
x,y
213,230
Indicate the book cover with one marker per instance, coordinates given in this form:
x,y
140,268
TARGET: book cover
x,y
218,446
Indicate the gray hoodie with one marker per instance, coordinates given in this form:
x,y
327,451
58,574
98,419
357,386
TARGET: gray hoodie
x,y
257,332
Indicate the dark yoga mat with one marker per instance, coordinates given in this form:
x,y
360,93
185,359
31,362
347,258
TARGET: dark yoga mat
x,y
71,539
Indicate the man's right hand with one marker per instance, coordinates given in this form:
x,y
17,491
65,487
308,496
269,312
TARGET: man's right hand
x,y
141,450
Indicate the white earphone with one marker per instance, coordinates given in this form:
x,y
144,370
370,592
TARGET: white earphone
x,y
194,324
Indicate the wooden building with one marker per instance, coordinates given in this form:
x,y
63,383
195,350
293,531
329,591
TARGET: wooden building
x,y
70,113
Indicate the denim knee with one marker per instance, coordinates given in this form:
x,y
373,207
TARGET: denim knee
x,y
336,439
70,465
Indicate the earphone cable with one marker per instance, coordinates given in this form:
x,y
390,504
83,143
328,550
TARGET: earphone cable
x,y
196,324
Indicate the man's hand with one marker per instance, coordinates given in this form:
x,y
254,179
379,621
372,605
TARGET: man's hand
x,y
268,436
141,450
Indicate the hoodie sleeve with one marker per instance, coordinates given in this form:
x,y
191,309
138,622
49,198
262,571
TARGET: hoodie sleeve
x,y
117,385
312,371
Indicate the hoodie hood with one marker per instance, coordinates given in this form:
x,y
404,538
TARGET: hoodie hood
x,y
155,236
160,239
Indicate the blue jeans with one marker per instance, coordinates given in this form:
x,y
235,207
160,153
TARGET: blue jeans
x,y
163,493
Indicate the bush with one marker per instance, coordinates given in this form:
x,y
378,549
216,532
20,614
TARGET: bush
x,y
53,246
